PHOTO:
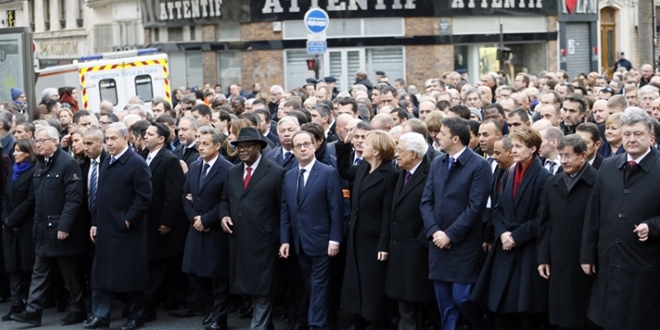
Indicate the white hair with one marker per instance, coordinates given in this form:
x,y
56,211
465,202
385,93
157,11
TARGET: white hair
x,y
413,141
51,131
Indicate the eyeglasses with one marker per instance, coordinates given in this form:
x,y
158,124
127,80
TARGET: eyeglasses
x,y
245,146
567,156
41,141
304,144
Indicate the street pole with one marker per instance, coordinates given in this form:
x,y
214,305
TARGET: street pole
x,y
646,32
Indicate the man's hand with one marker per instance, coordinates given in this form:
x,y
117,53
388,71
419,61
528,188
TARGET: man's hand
x,y
184,166
284,250
544,271
642,231
382,256
349,136
62,235
333,249
92,233
589,269
197,223
226,222
164,230
507,241
486,246
441,240
128,224
189,197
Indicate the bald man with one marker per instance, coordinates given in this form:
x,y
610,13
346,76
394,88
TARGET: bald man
x,y
382,122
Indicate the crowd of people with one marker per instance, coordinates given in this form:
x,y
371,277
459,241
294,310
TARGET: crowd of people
x,y
495,205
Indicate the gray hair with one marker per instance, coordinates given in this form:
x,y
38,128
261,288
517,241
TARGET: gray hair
x,y
6,118
276,89
51,131
634,115
47,93
123,130
94,132
137,99
360,87
189,98
142,110
648,90
364,111
414,142
470,91
396,129
506,142
216,136
194,124
287,119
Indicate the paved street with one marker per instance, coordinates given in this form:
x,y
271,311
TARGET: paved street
x,y
51,320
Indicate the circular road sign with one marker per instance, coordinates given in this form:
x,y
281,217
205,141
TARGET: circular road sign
x,y
316,20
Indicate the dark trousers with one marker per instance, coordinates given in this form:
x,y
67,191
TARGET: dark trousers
x,y
19,286
522,321
102,304
316,274
262,312
413,317
70,270
296,295
454,300
157,270
214,293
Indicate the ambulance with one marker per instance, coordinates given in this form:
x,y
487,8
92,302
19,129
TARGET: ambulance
x,y
113,77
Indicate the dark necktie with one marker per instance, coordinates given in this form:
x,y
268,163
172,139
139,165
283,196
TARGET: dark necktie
x,y
452,160
357,161
112,159
202,176
287,158
550,165
631,168
407,178
246,180
301,184
93,180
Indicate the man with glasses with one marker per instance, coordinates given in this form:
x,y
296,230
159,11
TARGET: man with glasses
x,y
312,212
249,214
106,120
59,234
647,95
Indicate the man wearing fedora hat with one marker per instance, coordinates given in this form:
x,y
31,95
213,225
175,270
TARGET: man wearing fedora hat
x,y
250,212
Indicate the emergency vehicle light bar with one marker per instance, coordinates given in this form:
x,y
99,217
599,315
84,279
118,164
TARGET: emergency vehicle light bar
x,y
125,53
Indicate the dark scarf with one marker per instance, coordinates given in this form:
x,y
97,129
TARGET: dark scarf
x,y
20,168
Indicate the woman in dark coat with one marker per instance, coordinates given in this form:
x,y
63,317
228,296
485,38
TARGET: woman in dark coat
x,y
17,242
509,283
374,180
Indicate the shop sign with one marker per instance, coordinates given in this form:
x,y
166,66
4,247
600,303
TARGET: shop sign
x,y
578,10
161,13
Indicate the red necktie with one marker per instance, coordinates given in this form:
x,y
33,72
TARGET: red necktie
x,y
246,180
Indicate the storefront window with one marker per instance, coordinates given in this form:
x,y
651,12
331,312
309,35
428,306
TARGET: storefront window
x,y
229,68
482,58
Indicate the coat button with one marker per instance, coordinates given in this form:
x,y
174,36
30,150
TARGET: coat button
x,y
621,216
393,222
616,240
393,241
626,191
240,214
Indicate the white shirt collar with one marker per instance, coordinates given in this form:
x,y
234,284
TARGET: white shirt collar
x,y
309,166
415,168
639,159
121,153
458,154
254,165
284,152
212,161
153,154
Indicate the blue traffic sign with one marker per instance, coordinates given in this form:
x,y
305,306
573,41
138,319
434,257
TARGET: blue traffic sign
x,y
316,20
317,47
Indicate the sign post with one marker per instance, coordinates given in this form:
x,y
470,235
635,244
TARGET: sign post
x,y
316,21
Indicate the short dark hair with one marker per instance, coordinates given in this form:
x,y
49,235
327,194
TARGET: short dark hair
x,y
139,128
474,127
349,100
51,104
112,117
28,126
443,105
302,118
417,126
575,141
590,128
315,130
401,113
165,119
202,109
252,117
161,130
495,106
77,115
364,126
577,98
263,112
458,127
496,123
520,113
461,110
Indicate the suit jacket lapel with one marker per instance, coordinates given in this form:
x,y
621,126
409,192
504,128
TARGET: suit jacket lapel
x,y
371,179
257,174
154,162
212,172
311,178
419,177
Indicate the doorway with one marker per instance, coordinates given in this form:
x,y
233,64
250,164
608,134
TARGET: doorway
x,y
608,40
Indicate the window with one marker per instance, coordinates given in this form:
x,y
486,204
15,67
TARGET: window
x,y
155,35
192,33
229,32
108,90
229,68
144,88
350,27
194,70
175,34
102,37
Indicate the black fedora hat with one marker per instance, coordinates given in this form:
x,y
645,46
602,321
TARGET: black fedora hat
x,y
249,134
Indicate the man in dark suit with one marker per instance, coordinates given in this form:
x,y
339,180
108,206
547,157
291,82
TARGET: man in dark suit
x,y
59,236
622,230
452,207
283,155
166,228
591,135
562,218
249,212
266,128
119,230
312,210
187,151
206,253
407,265
7,140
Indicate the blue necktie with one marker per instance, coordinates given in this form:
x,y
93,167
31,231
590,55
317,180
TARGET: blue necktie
x,y
202,176
112,159
452,160
92,186
357,161
407,178
301,184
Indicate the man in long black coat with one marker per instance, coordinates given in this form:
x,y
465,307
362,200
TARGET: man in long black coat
x,y
408,266
166,226
562,217
58,236
119,230
621,239
187,150
206,253
250,212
